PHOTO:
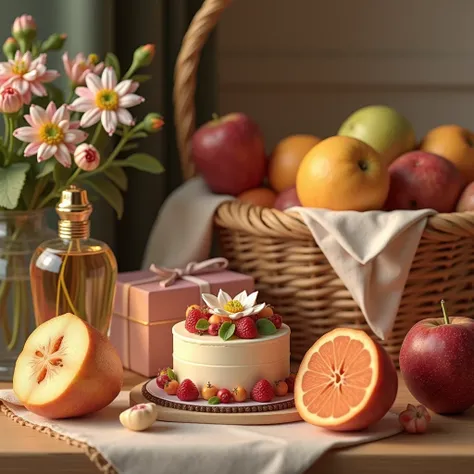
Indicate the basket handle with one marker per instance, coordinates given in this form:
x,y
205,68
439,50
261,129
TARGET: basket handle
x,y
185,74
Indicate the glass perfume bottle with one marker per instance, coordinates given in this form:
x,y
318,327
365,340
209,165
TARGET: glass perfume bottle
x,y
74,273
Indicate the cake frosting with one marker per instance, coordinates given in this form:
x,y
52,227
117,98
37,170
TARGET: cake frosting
x,y
203,358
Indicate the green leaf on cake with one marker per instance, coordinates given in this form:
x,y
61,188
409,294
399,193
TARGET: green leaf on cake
x,y
171,375
265,327
226,331
202,325
214,401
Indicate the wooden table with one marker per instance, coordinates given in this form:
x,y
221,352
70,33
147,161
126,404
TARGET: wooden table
x,y
448,447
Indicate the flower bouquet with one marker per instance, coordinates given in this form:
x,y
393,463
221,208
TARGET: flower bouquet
x,y
51,142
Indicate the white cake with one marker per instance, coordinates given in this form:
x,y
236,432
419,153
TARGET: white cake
x,y
227,364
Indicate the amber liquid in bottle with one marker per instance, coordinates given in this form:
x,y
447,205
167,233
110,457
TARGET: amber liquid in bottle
x,y
74,273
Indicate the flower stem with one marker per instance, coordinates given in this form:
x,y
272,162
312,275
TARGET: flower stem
x,y
12,139
97,131
71,94
62,284
445,314
6,134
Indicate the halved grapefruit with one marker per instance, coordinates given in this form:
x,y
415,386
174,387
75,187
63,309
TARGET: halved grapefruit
x,y
346,381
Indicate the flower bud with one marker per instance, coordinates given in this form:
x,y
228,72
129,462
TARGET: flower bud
x,y
87,157
10,47
24,28
54,42
10,100
143,56
153,122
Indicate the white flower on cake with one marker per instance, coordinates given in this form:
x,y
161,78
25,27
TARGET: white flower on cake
x,y
234,308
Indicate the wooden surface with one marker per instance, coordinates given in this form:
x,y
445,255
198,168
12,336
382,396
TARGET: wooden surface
x,y
186,416
448,447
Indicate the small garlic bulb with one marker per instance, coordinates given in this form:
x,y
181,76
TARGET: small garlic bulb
x,y
139,417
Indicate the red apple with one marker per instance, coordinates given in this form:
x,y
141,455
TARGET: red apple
x,y
437,363
287,199
229,153
420,180
466,201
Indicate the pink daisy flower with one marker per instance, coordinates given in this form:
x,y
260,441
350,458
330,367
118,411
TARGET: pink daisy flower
x,y
51,134
26,75
78,68
103,99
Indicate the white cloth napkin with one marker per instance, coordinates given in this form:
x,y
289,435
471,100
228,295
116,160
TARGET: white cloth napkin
x,y
372,253
177,448
183,230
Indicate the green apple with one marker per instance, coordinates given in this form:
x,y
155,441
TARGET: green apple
x,y
383,128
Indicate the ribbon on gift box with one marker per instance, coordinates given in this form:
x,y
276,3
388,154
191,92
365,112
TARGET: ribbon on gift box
x,y
166,277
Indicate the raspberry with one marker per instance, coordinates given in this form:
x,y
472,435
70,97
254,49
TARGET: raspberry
x,y
162,380
245,328
276,319
213,329
187,391
262,391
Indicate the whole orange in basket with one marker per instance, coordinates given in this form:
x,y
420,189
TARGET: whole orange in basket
x,y
346,381
455,143
263,197
343,173
285,160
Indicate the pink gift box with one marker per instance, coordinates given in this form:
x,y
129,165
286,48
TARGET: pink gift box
x,y
145,312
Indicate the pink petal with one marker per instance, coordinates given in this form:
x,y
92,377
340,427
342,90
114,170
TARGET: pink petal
x,y
38,115
31,76
63,155
32,149
109,121
125,117
46,151
51,109
91,117
17,55
26,134
27,58
130,100
29,119
134,87
109,79
27,97
124,87
84,92
93,83
98,68
80,58
61,114
71,147
74,125
21,86
66,63
82,104
64,125
49,76
75,136
38,89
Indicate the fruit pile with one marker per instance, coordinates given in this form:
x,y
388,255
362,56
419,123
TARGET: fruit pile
x,y
263,391
373,162
200,320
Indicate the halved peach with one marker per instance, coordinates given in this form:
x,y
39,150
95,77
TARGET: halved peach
x,y
67,369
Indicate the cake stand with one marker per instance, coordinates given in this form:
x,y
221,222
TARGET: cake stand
x,y
279,410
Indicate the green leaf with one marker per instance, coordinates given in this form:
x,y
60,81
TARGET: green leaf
x,y
140,135
112,60
265,327
141,77
142,162
118,177
214,401
171,374
108,191
46,168
226,331
12,180
202,325
130,146
60,173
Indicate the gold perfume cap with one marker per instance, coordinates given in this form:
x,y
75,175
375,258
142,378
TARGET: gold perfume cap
x,y
74,210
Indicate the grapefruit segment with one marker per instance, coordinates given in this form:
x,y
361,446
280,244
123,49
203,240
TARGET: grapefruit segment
x,y
346,381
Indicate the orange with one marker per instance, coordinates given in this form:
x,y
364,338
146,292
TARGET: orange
x,y
456,144
286,158
346,381
343,173
262,197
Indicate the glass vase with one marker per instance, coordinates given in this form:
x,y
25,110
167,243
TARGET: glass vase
x,y
20,234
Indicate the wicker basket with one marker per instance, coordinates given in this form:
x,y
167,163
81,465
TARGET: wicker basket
x,y
290,271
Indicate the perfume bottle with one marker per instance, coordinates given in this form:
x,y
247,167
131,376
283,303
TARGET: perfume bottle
x,y
74,273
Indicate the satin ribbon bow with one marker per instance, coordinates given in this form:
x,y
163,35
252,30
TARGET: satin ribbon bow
x,y
170,275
